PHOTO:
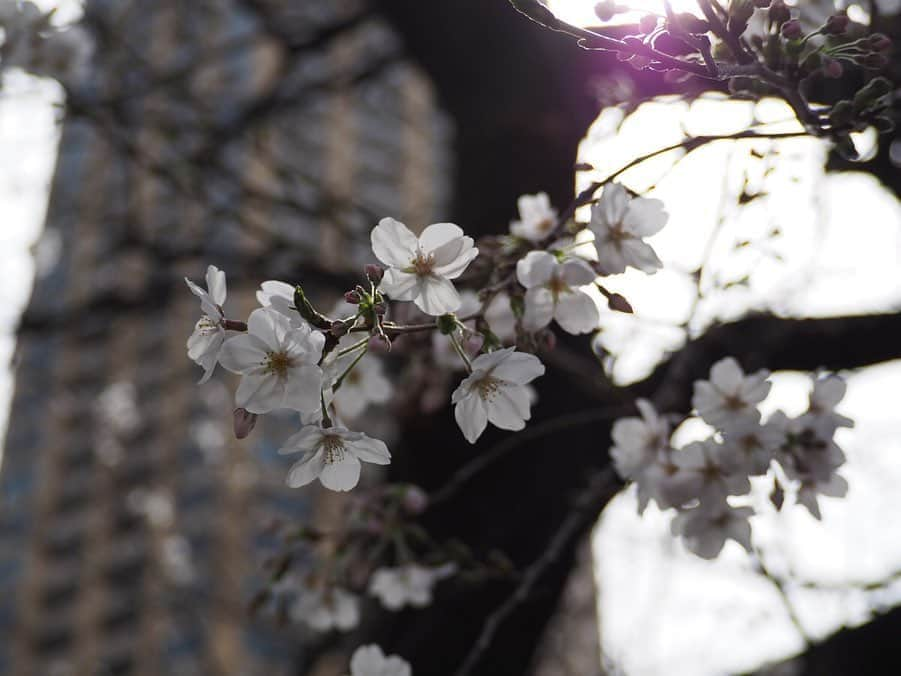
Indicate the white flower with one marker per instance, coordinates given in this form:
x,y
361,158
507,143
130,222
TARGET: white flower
x,y
553,293
369,660
826,395
205,343
835,487
279,296
638,441
705,471
619,224
333,456
365,384
500,318
730,396
277,361
325,609
495,391
411,584
537,217
420,269
705,529
754,444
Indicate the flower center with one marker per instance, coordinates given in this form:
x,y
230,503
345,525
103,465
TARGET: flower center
x,y
544,225
488,388
334,449
733,402
207,326
277,363
422,265
557,286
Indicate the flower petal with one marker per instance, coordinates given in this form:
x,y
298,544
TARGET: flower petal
x,y
535,269
371,450
274,289
539,308
393,243
341,476
269,326
471,416
307,439
519,368
303,387
437,296
437,235
577,273
244,353
576,313
645,217
509,408
399,285
306,470
260,393
215,284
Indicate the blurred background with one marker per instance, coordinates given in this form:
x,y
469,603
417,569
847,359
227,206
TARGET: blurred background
x,y
267,137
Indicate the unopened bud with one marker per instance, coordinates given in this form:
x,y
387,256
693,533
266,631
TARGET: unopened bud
x,y
338,329
791,29
618,303
874,61
547,340
244,422
836,24
777,495
380,309
353,297
415,500
374,273
832,68
447,324
879,42
779,12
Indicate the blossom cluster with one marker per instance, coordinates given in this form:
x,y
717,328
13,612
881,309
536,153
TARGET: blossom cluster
x,y
704,481
31,42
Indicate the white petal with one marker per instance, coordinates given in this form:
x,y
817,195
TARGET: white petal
x,y
371,450
535,269
215,284
307,469
577,273
303,387
576,313
453,258
269,326
509,408
341,476
307,439
244,353
437,296
519,368
645,217
612,206
274,289
471,416
260,393
399,285
640,256
726,375
490,360
539,308
439,234
393,243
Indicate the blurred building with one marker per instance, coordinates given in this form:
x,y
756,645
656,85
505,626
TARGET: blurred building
x,y
263,136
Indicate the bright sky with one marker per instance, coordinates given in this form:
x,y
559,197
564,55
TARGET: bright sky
x,y
667,612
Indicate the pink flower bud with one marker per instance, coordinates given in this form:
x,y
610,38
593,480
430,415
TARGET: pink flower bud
x,y
244,422
791,29
832,68
879,42
836,24
374,273
415,500
353,297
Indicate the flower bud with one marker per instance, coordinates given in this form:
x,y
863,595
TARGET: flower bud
x,y
836,24
244,422
380,308
338,329
415,500
832,68
779,13
547,340
791,29
618,303
353,297
374,273
879,42
874,61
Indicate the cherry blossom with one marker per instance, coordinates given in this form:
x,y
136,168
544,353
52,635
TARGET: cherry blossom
x,y
537,217
619,224
410,584
705,529
205,343
421,269
333,456
754,445
363,385
496,391
277,361
553,292
638,441
369,660
730,396
326,609
280,297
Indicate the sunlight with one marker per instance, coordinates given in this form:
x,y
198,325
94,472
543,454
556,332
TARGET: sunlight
x,y
581,12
